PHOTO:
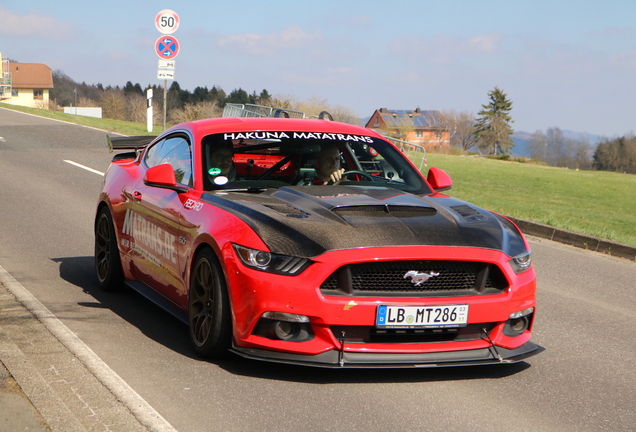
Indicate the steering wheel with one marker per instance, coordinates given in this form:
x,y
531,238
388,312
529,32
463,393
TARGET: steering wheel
x,y
362,173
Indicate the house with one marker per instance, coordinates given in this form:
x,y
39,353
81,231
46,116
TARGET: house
x,y
425,128
26,84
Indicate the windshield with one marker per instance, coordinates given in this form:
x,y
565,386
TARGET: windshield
x,y
257,160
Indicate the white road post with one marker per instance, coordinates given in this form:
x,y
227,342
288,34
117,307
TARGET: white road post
x,y
149,111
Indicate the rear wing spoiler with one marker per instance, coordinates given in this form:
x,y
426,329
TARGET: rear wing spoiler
x,y
128,142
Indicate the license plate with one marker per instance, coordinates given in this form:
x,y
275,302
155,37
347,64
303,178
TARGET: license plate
x,y
421,316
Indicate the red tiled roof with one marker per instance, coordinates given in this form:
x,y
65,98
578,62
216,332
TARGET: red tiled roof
x,y
30,75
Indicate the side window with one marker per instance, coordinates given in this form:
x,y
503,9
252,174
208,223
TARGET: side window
x,y
151,154
175,151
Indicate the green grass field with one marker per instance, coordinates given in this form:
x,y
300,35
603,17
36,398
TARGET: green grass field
x,y
596,203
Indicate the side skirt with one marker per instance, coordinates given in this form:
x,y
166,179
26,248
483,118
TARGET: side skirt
x,y
159,300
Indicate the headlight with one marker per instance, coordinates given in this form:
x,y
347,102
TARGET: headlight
x,y
270,262
521,262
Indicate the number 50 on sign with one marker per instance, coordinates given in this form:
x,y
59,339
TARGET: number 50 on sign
x,y
167,21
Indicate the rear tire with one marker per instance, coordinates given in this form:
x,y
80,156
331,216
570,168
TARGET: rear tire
x,y
110,275
209,308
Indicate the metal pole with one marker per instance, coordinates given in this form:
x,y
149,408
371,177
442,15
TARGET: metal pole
x,y
165,97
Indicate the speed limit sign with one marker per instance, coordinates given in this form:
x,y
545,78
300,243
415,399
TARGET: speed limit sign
x,y
167,21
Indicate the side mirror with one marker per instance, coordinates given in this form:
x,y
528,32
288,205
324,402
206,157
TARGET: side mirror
x,y
439,180
162,176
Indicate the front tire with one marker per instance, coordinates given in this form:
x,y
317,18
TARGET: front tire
x,y
208,307
110,275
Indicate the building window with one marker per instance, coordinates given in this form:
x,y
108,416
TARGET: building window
x,y
38,94
14,92
438,134
418,134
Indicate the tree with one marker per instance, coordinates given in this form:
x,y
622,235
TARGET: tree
x,y
616,155
198,111
113,104
493,132
264,96
344,114
461,126
538,146
238,96
555,149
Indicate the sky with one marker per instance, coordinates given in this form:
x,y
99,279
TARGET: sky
x,y
563,63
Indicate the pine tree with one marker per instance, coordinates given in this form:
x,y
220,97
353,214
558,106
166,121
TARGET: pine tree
x,y
492,130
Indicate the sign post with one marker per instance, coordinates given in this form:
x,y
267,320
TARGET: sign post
x,y
167,47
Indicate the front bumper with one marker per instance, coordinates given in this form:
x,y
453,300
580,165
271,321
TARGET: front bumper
x,y
337,359
341,324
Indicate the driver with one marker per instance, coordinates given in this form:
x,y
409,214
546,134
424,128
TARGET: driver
x,y
327,165
221,163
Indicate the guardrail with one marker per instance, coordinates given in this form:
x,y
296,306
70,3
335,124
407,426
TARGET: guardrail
x,y
416,153
249,110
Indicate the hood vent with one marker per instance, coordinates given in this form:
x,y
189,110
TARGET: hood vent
x,y
465,211
287,210
384,211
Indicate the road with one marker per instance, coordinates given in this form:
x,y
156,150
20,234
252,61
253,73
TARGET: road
x,y
585,380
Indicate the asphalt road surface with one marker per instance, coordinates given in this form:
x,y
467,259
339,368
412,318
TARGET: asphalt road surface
x,y
584,381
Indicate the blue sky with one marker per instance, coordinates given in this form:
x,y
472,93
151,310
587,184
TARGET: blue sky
x,y
568,63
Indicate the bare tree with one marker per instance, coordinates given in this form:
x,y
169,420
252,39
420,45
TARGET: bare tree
x,y
87,102
312,106
113,104
538,146
136,107
279,101
344,114
556,149
198,111
461,126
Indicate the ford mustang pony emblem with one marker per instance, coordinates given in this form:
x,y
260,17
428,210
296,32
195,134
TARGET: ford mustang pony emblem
x,y
418,278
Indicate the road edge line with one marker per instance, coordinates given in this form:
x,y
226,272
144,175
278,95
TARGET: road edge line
x,y
141,409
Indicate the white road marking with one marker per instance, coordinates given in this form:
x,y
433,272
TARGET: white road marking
x,y
85,167
141,409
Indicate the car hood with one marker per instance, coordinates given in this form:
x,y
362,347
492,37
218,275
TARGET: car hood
x,y
310,220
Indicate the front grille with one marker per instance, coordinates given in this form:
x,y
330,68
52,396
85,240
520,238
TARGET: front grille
x,y
396,279
365,334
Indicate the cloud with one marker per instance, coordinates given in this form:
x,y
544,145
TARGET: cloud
x,y
361,21
615,32
33,24
444,49
292,37
625,60
341,70
483,44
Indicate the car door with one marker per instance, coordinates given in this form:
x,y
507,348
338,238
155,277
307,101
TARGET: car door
x,y
154,218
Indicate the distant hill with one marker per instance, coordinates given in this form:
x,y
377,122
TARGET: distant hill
x,y
521,140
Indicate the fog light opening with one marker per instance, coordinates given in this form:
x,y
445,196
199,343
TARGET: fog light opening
x,y
285,330
519,325
516,326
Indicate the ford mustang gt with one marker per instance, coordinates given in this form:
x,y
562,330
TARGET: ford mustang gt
x,y
312,242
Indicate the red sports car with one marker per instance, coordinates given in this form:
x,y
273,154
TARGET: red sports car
x,y
312,242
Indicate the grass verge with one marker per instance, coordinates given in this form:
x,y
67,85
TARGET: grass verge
x,y
597,203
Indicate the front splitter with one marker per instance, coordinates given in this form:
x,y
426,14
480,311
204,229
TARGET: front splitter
x,y
338,359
